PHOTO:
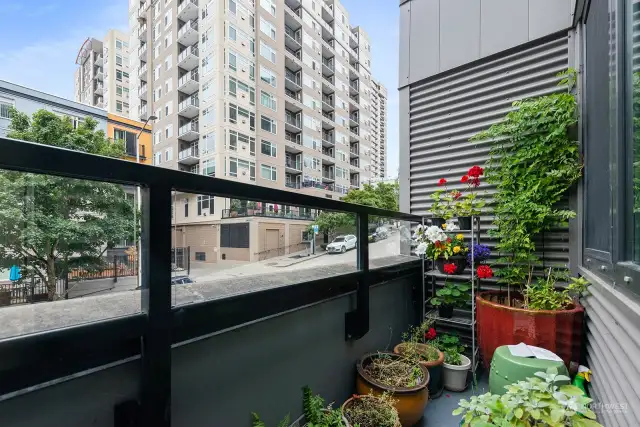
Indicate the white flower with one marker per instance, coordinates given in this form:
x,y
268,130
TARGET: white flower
x,y
434,234
450,226
419,232
421,249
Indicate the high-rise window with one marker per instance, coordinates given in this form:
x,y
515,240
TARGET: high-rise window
x,y
268,100
269,6
267,28
267,52
268,172
268,124
268,148
267,76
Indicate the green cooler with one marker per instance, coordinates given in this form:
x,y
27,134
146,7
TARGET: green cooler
x,y
507,369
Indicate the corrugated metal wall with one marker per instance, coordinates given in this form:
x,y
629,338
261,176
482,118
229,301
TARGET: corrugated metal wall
x,y
613,351
447,110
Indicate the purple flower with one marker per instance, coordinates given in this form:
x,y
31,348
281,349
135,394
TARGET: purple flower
x,y
480,253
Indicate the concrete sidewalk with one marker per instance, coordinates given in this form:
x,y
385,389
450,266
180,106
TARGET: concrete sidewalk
x,y
292,259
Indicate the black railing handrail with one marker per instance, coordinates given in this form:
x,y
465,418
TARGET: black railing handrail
x,y
45,159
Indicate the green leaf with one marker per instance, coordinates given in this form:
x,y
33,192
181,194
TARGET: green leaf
x,y
518,413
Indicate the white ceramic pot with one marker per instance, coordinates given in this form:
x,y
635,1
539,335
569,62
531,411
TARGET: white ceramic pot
x,y
455,376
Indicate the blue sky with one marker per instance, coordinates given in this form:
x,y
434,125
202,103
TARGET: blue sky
x,y
46,36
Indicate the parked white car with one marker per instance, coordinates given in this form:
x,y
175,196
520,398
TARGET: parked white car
x,y
341,244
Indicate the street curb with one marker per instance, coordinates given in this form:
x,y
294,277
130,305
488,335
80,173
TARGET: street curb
x,y
301,260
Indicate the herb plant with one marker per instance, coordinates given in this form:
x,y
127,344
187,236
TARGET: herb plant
x,y
534,160
535,402
412,340
449,343
257,422
317,414
452,357
372,411
452,294
543,294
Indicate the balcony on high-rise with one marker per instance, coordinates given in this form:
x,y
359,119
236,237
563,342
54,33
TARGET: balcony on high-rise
x,y
189,82
187,10
188,58
190,155
188,33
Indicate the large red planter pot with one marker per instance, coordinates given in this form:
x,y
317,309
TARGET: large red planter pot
x,y
558,331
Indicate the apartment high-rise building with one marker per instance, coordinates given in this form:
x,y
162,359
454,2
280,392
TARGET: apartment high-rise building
x,y
276,93
379,142
102,78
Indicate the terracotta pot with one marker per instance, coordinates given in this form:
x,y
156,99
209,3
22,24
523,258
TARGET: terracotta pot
x,y
346,404
559,331
459,261
434,367
410,401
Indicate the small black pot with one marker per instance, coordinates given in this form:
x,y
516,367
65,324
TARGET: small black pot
x,y
445,311
459,260
464,222
438,222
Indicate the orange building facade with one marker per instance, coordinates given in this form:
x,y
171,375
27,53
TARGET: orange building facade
x,y
122,128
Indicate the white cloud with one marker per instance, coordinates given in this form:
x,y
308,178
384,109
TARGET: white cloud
x,y
48,65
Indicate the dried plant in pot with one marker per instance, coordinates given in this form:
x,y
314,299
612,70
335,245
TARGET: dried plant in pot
x,y
370,411
407,381
415,348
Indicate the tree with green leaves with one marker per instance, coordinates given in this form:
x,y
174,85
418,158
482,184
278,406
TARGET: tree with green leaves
x,y
381,195
51,224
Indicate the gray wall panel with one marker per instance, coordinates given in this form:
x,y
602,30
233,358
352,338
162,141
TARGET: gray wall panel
x,y
459,33
548,16
81,402
499,19
403,173
468,30
424,39
262,367
405,34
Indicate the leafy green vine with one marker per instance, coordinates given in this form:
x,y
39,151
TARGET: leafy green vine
x,y
534,160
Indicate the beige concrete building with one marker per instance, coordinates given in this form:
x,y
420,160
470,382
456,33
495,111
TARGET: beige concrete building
x,y
276,93
103,78
379,123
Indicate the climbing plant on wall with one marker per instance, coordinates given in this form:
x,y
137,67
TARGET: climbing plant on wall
x,y
534,160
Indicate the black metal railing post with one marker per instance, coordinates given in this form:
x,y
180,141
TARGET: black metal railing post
x,y
357,321
155,393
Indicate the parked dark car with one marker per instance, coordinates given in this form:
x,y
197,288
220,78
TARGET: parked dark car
x,y
180,280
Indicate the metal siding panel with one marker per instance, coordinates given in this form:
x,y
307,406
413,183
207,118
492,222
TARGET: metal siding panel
x,y
444,112
403,172
459,24
424,39
503,25
613,349
548,16
405,36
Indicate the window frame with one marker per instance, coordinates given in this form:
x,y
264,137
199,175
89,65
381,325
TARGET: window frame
x,y
272,171
273,127
272,150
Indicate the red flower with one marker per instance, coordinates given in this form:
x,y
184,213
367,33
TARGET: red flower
x,y
475,171
442,181
456,195
475,182
484,272
438,244
431,334
450,268
464,179
448,239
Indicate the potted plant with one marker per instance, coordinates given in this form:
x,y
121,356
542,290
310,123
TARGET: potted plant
x,y
450,296
315,414
442,207
468,205
454,372
415,348
553,316
371,411
534,160
384,372
539,401
434,243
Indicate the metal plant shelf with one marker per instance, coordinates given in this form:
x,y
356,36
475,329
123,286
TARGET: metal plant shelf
x,y
431,275
457,319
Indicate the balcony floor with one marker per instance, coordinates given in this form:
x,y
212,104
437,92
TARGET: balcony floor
x,y
438,411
